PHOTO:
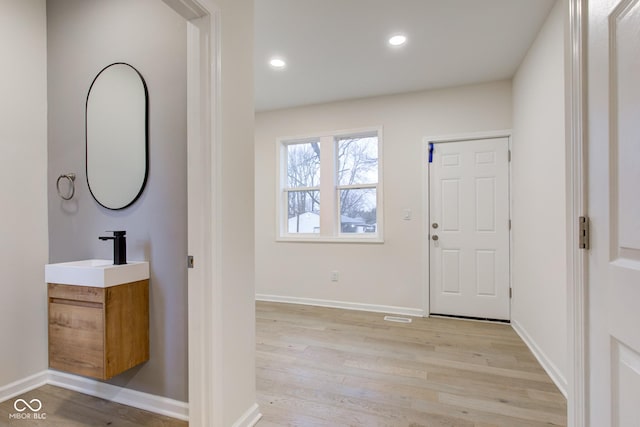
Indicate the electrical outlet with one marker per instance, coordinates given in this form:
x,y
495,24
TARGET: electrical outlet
x,y
335,276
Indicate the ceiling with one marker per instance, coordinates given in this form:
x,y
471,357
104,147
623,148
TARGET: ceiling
x,y
337,49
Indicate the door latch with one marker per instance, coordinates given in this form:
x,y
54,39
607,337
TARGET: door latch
x,y
190,261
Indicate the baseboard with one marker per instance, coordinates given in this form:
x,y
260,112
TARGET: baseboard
x,y
389,309
148,402
24,385
249,418
552,370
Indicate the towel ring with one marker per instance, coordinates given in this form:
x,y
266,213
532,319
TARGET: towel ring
x,y
71,177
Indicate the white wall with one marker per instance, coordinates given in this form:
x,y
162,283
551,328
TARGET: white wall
x,y
23,189
539,198
389,274
236,239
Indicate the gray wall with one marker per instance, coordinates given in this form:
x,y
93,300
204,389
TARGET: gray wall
x,y
83,37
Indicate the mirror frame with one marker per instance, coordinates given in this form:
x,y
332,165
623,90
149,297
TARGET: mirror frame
x,y
146,137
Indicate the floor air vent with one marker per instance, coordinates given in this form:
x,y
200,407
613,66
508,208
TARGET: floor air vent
x,y
397,319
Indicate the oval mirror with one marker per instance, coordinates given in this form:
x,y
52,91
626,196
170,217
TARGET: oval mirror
x,y
117,137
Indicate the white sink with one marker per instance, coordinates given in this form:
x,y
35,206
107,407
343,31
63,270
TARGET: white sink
x,y
100,273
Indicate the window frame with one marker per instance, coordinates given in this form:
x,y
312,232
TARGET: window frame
x,y
329,189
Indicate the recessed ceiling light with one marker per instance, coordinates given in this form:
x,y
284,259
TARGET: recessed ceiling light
x,y
277,63
398,40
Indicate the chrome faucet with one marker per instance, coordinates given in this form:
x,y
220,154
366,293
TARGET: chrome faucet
x,y
119,246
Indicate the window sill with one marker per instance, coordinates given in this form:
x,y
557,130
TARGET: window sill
x,y
330,239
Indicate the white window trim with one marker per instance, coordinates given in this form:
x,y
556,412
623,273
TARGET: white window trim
x,y
327,180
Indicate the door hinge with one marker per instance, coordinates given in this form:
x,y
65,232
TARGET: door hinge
x,y
583,232
510,292
508,155
190,261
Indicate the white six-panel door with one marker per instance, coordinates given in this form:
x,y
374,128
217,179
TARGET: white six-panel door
x,y
469,228
614,208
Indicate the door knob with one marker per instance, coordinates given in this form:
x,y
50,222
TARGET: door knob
x,y
434,237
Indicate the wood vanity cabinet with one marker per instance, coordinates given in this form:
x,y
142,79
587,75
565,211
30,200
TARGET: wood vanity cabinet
x,y
98,332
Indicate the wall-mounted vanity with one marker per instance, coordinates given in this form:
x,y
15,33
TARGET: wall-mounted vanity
x,y
98,317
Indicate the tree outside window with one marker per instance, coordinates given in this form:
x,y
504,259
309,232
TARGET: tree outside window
x,y
344,181
357,183
303,189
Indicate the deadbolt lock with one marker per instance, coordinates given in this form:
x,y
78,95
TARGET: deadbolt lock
x,y
434,225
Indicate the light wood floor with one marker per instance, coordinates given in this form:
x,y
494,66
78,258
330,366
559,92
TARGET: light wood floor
x,y
331,367
64,408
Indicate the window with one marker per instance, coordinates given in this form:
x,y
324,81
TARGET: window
x,y
330,187
303,187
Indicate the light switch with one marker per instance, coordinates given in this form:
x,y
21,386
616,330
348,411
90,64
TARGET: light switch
x,y
407,215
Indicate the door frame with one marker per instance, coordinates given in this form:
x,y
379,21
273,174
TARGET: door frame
x,y
577,189
426,247
204,166
205,72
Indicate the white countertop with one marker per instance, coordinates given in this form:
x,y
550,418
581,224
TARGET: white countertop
x,y
100,273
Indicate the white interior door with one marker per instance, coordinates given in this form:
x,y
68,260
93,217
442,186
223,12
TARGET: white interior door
x,y
469,228
614,207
